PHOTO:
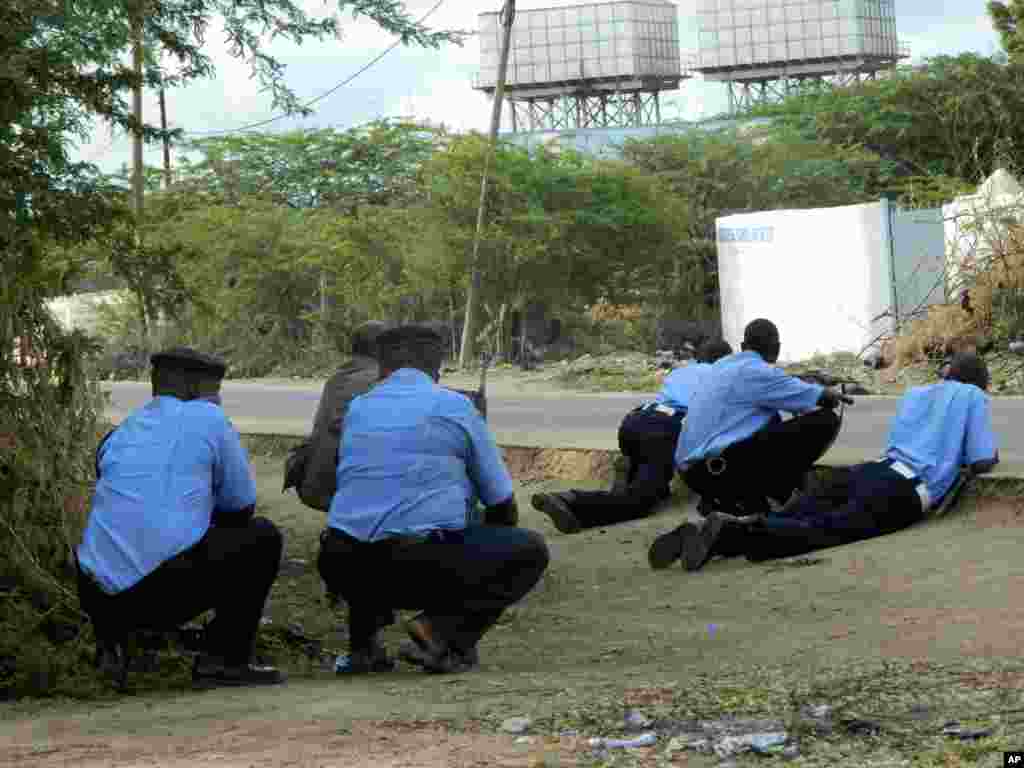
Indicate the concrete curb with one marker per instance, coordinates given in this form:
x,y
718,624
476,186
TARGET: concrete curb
x,y
530,461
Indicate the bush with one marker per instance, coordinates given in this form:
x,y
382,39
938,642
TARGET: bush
x,y
944,330
48,431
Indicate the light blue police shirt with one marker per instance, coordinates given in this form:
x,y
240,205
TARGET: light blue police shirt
x,y
162,473
939,428
414,457
679,386
739,395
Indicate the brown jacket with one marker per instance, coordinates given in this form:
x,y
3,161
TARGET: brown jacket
x,y
319,480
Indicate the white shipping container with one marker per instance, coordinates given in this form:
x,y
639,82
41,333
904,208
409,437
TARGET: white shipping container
x,y
827,277
628,38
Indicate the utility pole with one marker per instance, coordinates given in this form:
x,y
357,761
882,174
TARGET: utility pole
x,y
508,14
167,140
137,56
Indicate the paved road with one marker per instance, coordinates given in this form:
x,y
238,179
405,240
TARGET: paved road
x,y
550,420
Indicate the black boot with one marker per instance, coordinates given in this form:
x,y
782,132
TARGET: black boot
x,y
557,507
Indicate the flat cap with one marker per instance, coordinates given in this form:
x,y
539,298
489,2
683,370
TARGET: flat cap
x,y
188,359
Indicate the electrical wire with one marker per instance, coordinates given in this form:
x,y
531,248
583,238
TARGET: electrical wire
x,y
324,95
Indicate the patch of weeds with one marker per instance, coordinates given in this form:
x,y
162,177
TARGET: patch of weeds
x,y
270,446
796,562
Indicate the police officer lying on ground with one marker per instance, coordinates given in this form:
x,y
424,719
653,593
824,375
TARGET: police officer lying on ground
x,y
938,429
401,531
171,532
311,468
647,438
736,450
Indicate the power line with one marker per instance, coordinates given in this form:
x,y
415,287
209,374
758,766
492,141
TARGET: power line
x,y
324,95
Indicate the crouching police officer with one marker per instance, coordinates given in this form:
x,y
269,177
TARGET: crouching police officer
x,y
647,438
171,531
402,533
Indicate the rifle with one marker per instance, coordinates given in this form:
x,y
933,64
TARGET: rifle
x,y
827,380
953,494
478,398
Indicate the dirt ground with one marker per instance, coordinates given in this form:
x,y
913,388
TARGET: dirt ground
x,y
601,633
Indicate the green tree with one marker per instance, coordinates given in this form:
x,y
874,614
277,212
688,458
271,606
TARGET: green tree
x,y
937,128
375,164
712,174
563,229
1006,18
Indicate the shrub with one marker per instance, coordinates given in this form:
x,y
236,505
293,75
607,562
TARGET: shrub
x,y
48,430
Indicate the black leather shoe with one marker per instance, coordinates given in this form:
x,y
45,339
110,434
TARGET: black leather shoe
x,y
212,672
699,543
555,506
668,547
426,649
449,661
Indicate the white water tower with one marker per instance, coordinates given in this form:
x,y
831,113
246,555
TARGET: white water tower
x,y
762,48
594,65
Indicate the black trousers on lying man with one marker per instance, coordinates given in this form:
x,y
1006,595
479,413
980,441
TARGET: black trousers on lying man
x,y
882,497
647,438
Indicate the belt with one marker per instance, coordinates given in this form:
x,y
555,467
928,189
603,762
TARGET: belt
x,y
665,410
920,486
404,540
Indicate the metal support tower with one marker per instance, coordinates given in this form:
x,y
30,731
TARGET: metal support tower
x,y
745,94
572,110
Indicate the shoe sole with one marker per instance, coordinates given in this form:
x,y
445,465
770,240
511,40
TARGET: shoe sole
x,y
556,509
205,684
416,656
697,547
668,547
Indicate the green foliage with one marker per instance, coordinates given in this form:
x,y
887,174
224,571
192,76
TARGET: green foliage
x,y
937,128
375,164
1006,18
561,228
712,174
47,432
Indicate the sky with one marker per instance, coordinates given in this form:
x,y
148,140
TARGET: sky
x,y
437,85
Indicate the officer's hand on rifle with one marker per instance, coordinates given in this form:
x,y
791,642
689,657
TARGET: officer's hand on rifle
x,y
503,513
832,398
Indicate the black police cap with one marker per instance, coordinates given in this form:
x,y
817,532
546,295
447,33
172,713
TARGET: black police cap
x,y
413,336
188,359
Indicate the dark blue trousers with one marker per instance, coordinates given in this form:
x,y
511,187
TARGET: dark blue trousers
x,y
880,501
462,580
648,439
230,570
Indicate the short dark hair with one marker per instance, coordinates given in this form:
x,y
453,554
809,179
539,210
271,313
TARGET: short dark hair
x,y
762,336
969,368
364,338
712,350
410,346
